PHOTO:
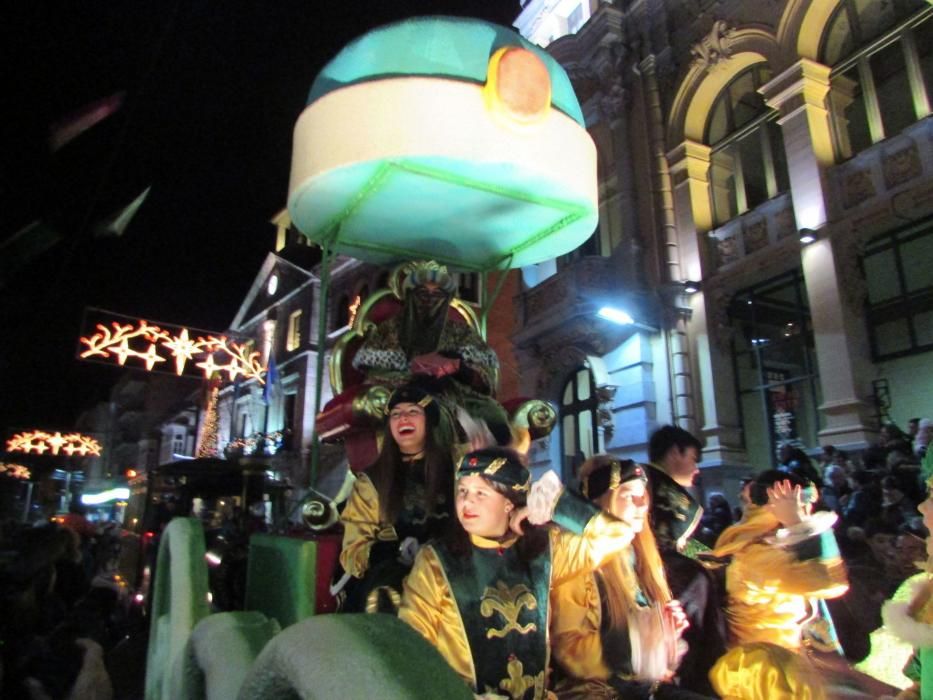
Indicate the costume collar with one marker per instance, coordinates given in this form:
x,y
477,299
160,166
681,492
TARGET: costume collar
x,y
675,513
486,543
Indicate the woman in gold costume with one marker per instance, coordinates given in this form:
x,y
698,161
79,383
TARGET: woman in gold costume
x,y
616,632
403,500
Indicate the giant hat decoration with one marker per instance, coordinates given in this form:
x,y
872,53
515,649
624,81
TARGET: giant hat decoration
x,y
447,138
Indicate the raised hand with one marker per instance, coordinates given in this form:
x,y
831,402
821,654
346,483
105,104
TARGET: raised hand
x,y
787,502
516,518
677,618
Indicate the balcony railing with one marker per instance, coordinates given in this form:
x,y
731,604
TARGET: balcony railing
x,y
587,279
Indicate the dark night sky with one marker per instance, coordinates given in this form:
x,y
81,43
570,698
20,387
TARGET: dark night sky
x,y
213,90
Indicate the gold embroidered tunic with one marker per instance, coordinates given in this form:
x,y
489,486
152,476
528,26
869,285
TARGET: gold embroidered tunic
x,y
363,527
509,610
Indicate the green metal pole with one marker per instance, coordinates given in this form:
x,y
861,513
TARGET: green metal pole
x,y
326,256
488,301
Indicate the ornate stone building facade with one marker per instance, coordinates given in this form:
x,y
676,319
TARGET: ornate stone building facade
x,y
729,135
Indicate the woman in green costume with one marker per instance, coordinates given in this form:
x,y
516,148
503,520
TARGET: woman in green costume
x,y
481,595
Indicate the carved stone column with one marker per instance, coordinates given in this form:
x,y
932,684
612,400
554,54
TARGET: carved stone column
x,y
718,419
802,94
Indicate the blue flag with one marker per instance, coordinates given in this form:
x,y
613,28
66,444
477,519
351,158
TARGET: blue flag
x,y
272,379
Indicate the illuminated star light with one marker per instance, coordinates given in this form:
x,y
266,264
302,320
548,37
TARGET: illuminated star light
x,y
17,471
40,441
55,442
151,357
233,358
183,349
209,366
122,351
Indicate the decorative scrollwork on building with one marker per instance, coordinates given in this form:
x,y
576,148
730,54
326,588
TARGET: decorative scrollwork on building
x,y
605,394
613,99
848,252
715,46
720,326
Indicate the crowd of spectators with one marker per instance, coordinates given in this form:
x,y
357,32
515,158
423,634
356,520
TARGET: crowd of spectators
x,y
875,492
57,617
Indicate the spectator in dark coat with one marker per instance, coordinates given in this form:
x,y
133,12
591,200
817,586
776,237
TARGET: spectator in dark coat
x,y
863,502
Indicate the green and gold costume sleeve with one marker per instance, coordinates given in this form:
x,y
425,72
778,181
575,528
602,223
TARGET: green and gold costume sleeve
x,y
361,527
428,606
586,537
576,642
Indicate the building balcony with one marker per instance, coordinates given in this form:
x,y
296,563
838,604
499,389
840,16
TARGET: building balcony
x,y
575,293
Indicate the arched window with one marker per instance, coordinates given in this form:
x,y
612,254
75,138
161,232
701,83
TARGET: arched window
x,y
882,60
578,416
748,160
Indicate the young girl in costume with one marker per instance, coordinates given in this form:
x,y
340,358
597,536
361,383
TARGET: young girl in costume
x,y
403,500
912,621
481,595
616,632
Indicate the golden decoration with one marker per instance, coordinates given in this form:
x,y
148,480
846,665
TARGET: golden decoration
x,y
372,600
517,683
508,602
17,471
495,465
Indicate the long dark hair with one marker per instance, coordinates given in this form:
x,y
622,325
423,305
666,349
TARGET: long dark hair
x,y
390,473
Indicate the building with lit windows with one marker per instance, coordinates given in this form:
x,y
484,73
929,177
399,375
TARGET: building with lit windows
x,y
766,194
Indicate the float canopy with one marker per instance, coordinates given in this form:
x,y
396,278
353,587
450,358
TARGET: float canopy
x,y
403,152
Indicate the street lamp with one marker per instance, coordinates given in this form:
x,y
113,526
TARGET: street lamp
x,y
611,313
807,236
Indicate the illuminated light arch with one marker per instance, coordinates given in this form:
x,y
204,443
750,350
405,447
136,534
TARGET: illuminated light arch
x,y
703,82
16,471
41,441
152,345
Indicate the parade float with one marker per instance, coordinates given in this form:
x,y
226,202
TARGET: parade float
x,y
435,139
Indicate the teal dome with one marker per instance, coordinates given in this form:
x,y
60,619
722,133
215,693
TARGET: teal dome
x,y
449,47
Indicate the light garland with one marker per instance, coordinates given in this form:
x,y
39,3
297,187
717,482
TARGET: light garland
x,y
40,442
153,345
353,308
17,471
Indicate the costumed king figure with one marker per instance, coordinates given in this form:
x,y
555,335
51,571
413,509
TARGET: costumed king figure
x,y
420,340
